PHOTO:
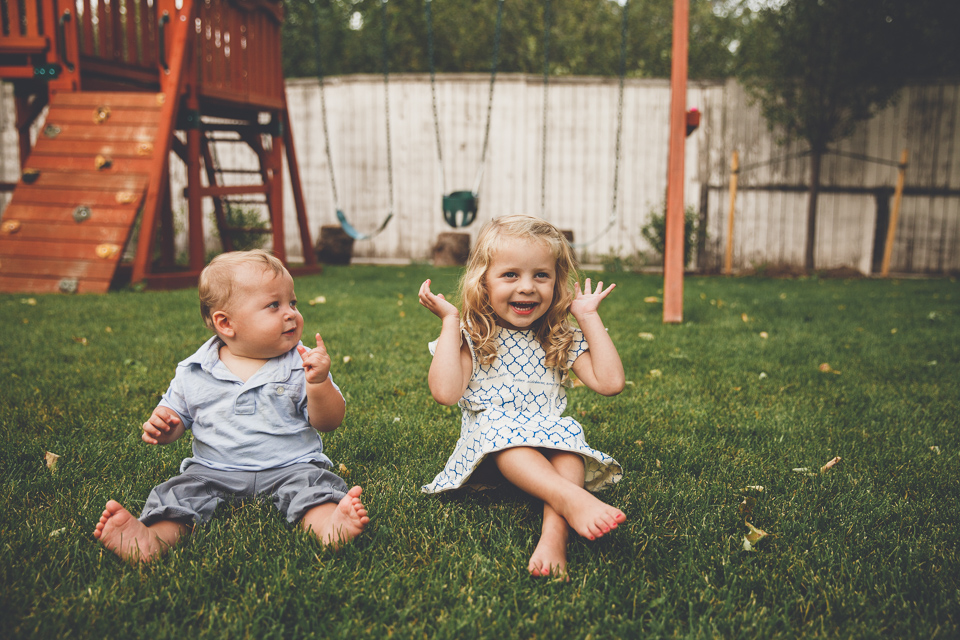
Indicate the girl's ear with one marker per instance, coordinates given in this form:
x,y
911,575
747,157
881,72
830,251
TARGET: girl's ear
x,y
222,324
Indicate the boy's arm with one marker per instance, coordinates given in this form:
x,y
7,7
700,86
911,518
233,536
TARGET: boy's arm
x,y
599,367
452,364
325,405
163,427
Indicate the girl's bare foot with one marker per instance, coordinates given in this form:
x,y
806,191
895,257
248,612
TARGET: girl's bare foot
x,y
132,540
549,559
345,522
588,515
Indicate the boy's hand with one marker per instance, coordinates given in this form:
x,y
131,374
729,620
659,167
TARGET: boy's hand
x,y
316,362
436,304
586,302
163,427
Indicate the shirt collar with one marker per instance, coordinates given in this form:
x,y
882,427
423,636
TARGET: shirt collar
x,y
278,369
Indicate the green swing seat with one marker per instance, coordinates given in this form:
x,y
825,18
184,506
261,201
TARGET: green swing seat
x,y
459,208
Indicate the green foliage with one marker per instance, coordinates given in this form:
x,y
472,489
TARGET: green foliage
x,y
584,37
869,549
818,67
655,232
244,227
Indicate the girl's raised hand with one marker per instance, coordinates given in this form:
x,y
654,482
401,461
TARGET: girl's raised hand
x,y
436,303
586,301
316,362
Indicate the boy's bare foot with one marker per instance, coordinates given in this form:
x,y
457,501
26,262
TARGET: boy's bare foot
x,y
129,538
549,559
345,522
589,516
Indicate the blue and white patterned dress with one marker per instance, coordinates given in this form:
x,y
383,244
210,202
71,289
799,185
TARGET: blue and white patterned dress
x,y
518,401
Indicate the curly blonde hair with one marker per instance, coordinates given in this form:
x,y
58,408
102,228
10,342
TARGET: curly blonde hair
x,y
553,331
217,280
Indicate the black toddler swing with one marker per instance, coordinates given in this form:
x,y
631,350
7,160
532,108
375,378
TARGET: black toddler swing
x,y
460,207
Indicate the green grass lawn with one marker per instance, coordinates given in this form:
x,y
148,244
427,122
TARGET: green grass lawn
x,y
867,549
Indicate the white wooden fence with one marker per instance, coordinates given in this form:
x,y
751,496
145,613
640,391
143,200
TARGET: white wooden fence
x,y
578,165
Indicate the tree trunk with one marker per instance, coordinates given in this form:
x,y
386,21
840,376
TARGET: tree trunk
x,y
815,161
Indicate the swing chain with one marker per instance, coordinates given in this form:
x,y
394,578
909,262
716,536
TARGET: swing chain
x,y
493,78
543,132
623,73
323,113
433,91
386,97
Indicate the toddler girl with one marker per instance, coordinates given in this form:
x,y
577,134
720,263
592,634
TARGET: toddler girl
x,y
504,361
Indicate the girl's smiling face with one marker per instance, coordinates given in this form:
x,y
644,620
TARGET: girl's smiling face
x,y
520,280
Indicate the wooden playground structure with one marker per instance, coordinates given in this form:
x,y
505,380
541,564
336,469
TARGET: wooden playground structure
x,y
125,83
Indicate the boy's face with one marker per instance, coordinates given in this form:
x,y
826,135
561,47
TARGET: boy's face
x,y
263,314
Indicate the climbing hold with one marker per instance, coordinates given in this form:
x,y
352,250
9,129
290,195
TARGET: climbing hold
x,y
51,131
144,149
160,99
10,227
30,176
81,212
108,251
126,197
68,285
102,162
101,114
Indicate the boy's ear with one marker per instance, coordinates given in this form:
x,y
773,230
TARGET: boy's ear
x,y
222,324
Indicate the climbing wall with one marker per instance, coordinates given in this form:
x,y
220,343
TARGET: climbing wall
x,y
74,208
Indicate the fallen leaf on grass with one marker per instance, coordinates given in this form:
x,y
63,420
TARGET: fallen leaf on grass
x,y
318,300
343,470
655,373
645,336
764,335
82,341
51,460
935,449
651,299
56,532
831,464
745,317
754,536
826,368
347,359
29,301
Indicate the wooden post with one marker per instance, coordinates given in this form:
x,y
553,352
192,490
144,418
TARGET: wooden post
x,y
894,216
673,251
734,173
171,83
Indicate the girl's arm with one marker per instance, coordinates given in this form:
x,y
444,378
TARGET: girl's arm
x,y
325,405
599,367
452,364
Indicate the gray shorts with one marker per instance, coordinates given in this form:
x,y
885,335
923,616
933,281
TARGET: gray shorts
x,y
196,493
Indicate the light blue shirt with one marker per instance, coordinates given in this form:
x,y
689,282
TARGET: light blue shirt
x,y
244,426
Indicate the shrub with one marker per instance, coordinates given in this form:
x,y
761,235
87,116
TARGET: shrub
x,y
655,231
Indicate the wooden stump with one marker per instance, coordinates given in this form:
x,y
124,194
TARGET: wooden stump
x,y
452,249
334,245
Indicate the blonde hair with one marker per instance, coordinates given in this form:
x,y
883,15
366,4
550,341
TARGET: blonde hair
x,y
553,331
218,279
